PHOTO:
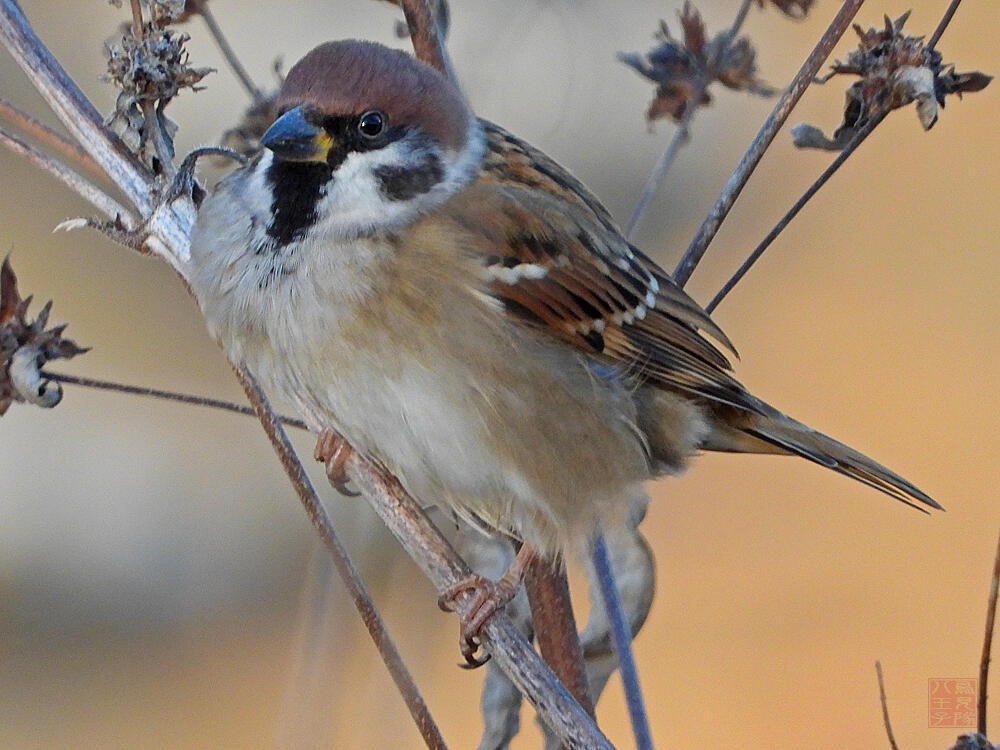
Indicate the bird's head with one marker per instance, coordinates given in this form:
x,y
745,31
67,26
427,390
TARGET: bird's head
x,y
369,139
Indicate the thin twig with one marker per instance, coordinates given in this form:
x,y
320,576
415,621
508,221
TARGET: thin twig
x,y
984,660
136,19
228,52
943,24
345,566
885,707
313,508
678,140
79,185
693,255
48,137
621,641
682,133
859,138
184,398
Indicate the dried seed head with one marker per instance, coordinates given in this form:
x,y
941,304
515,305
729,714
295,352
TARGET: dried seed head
x,y
894,70
793,8
684,68
25,347
151,70
738,67
154,68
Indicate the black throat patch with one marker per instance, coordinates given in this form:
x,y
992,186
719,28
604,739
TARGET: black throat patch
x,y
297,188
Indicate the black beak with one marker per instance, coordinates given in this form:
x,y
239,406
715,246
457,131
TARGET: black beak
x,y
293,138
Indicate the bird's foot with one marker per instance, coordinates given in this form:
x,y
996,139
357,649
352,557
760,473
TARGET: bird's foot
x,y
334,451
487,598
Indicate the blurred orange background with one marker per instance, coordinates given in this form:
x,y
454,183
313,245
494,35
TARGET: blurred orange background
x,y
152,556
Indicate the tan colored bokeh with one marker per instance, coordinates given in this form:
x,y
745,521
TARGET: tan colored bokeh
x,y
151,556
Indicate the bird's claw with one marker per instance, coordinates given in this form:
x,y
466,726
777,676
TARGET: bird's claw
x,y
334,451
487,598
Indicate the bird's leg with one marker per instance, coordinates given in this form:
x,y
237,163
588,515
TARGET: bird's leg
x,y
488,597
334,451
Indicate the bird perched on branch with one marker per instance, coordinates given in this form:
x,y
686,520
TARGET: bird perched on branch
x,y
457,305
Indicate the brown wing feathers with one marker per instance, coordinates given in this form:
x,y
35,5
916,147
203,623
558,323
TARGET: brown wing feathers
x,y
572,273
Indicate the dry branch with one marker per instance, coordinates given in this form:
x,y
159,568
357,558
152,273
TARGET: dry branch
x,y
82,187
984,660
885,707
49,138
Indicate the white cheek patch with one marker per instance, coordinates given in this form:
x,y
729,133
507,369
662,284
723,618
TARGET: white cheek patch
x,y
356,204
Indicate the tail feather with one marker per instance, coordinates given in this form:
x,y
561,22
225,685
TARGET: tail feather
x,y
770,431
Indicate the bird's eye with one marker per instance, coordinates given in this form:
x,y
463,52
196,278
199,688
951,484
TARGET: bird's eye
x,y
371,124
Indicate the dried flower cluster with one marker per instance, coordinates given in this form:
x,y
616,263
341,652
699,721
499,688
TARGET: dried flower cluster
x,y
25,347
894,70
683,69
154,68
150,70
793,8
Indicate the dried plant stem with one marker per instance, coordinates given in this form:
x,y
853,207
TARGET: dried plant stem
x,y
136,18
228,53
49,138
679,139
859,138
153,131
342,562
943,24
548,596
984,660
696,250
426,36
621,641
885,707
682,133
184,398
94,195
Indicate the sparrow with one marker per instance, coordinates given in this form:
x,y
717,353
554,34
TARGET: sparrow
x,y
458,306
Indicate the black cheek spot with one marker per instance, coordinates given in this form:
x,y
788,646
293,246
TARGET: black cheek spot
x,y
404,183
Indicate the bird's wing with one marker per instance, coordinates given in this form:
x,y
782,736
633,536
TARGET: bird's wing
x,y
566,269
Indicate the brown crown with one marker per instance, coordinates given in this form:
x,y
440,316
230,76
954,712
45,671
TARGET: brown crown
x,y
351,77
